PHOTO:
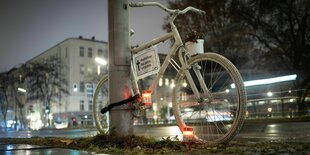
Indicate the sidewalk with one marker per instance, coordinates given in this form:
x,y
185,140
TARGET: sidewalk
x,y
258,137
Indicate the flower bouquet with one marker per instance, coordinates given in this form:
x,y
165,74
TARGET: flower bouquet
x,y
194,43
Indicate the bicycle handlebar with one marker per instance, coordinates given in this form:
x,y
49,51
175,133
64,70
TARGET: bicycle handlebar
x,y
141,4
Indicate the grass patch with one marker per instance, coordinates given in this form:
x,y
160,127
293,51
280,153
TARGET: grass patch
x,y
104,143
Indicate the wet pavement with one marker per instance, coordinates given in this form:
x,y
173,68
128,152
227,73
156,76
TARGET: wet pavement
x,y
287,138
25,149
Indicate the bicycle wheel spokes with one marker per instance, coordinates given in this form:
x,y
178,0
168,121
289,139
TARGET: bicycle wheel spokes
x,y
214,120
100,100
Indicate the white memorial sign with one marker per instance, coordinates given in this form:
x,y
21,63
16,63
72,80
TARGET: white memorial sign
x,y
146,62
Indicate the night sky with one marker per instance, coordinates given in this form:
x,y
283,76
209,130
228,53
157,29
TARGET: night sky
x,y
29,27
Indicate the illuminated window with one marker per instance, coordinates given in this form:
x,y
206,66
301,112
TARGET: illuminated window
x,y
172,83
90,90
160,83
166,82
75,89
183,96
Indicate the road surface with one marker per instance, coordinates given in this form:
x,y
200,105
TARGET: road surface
x,y
297,131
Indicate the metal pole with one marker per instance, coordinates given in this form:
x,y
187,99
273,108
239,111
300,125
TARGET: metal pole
x,y
121,120
168,108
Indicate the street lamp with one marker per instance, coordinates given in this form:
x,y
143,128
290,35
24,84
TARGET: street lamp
x,y
22,90
269,109
100,61
269,94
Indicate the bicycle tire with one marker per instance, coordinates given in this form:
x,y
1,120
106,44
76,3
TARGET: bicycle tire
x,y
216,121
102,125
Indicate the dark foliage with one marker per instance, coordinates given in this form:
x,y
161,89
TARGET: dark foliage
x,y
282,29
223,32
261,36
45,81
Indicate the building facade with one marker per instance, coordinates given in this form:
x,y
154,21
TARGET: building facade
x,y
81,72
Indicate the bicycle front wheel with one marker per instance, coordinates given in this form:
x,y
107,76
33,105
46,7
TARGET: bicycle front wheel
x,y
217,118
100,100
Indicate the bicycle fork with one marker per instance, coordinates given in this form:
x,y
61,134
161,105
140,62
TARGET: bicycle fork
x,y
206,95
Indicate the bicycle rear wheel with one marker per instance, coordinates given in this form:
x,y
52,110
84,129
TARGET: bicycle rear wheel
x,y
100,100
214,120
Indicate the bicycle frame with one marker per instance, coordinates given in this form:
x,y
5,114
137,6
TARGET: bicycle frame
x,y
177,46
164,65
217,122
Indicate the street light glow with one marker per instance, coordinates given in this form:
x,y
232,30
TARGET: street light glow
x,y
22,90
269,94
170,104
269,109
184,84
268,81
160,82
172,85
166,82
100,61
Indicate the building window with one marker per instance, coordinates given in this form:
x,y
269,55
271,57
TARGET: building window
x,y
100,52
82,69
90,105
81,51
89,90
82,87
105,54
81,105
90,52
67,50
66,56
